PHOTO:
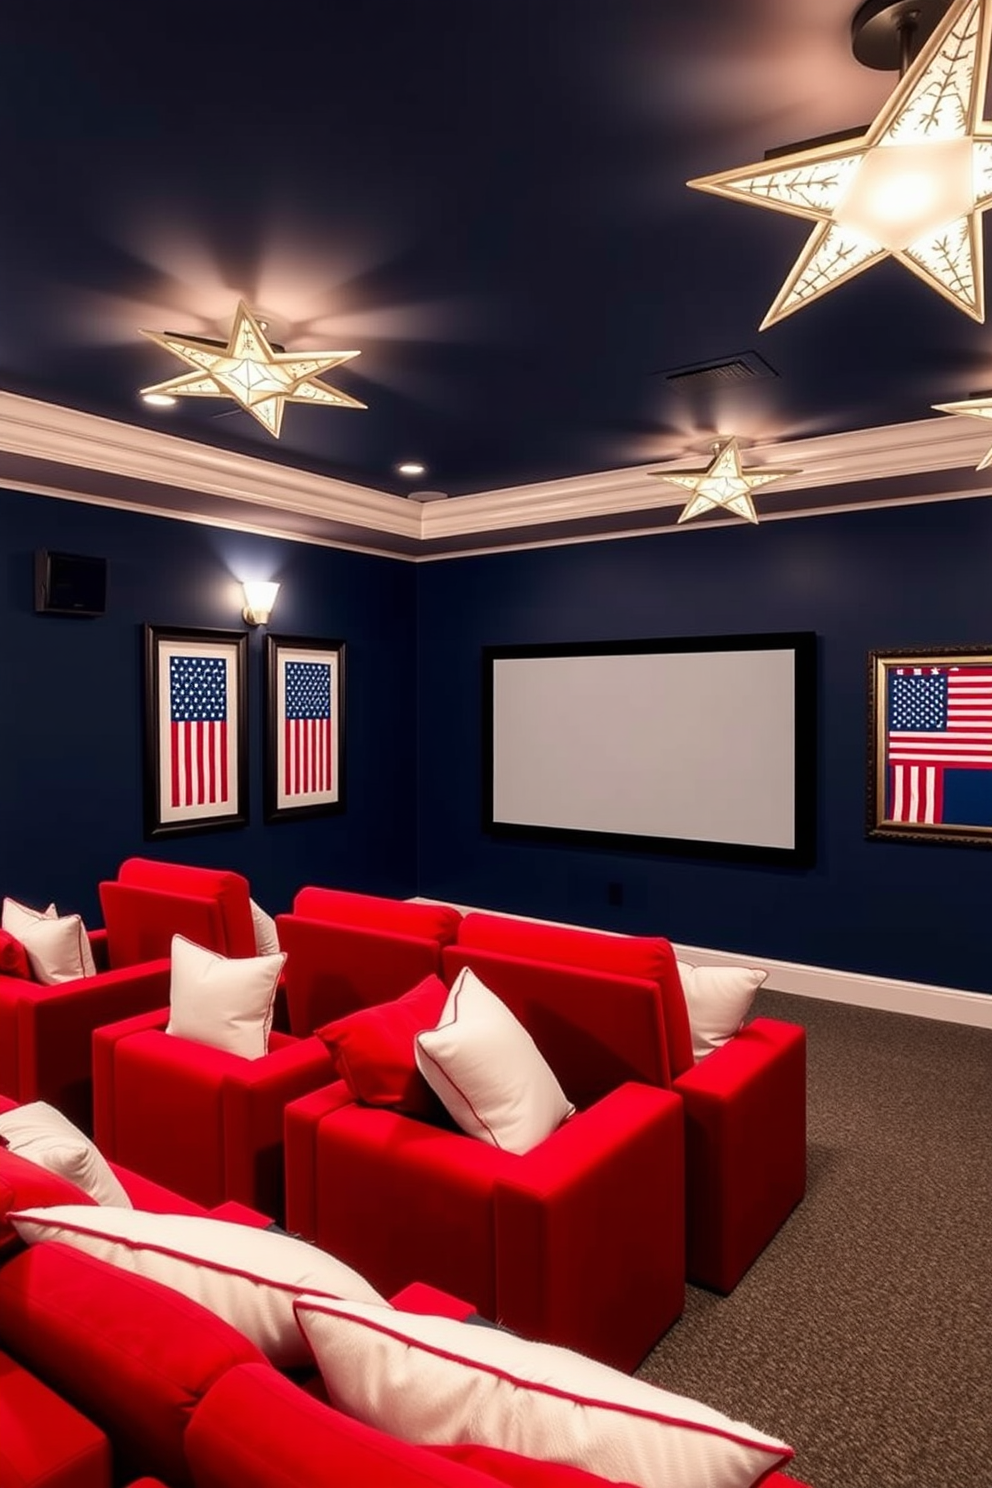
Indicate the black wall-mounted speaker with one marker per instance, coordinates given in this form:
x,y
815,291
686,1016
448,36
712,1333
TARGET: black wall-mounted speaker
x,y
69,584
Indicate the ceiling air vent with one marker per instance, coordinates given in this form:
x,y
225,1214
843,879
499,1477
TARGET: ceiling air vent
x,y
745,366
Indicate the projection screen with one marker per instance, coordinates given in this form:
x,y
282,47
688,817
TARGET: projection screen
x,y
702,745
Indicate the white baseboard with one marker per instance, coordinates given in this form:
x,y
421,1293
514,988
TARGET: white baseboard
x,y
948,1004
856,989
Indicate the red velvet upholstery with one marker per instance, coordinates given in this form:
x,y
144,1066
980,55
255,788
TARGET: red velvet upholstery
x,y
149,902
347,951
25,1185
133,1356
44,1441
579,1241
232,1443
186,1400
46,1032
200,1121
744,1104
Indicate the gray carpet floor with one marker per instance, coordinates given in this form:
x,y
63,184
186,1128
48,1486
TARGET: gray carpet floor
x,y
863,1334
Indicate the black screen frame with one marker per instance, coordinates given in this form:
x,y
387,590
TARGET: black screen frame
x,y
803,646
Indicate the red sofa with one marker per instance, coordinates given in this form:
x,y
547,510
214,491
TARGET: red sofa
x,y
107,1377
346,950
744,1104
46,1441
579,1241
46,1031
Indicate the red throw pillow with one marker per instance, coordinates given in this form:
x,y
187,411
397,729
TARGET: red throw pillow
x,y
13,957
373,1050
25,1185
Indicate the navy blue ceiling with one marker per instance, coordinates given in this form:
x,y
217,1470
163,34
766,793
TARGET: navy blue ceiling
x,y
486,198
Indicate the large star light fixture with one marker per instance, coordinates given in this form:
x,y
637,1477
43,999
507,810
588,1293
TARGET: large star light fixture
x,y
250,370
976,408
723,483
912,187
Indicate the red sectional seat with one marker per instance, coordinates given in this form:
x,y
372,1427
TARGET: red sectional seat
x,y
346,950
183,1398
121,1379
46,1031
744,1104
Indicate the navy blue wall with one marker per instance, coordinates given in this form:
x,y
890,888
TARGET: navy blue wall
x,y
909,576
71,725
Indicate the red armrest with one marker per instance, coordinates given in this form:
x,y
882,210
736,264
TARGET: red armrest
x,y
46,1032
104,1041
203,1122
590,1229
301,1123
745,1120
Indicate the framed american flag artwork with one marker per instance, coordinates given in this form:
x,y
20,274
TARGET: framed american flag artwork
x,y
930,745
304,727
196,741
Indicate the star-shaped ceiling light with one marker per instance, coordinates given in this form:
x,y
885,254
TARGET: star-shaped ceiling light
x,y
912,187
252,372
978,408
722,483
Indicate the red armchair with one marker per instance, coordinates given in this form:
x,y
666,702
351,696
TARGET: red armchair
x,y
46,1031
149,902
744,1104
201,1121
579,1241
333,937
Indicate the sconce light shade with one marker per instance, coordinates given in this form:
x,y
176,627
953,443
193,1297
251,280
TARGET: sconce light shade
x,y
260,596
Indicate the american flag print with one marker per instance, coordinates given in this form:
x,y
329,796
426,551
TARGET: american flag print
x,y
308,732
938,745
198,716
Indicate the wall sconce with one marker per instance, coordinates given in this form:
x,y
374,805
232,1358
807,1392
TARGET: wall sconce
x,y
260,596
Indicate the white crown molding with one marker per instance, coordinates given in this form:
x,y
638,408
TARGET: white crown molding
x,y
68,437
894,450
340,512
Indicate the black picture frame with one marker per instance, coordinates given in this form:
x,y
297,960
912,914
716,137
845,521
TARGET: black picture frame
x,y
929,767
195,730
304,755
588,748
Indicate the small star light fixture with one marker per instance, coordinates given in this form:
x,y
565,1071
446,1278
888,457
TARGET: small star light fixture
x,y
723,482
976,408
249,369
911,187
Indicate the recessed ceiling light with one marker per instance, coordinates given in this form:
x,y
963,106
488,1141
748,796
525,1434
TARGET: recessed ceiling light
x,y
411,467
159,400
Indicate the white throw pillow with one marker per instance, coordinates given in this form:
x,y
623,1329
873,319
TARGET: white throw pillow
x,y
435,1381
488,1072
718,999
42,1135
15,917
249,1277
266,935
57,947
223,1001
